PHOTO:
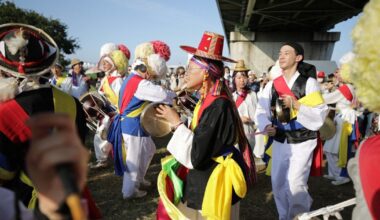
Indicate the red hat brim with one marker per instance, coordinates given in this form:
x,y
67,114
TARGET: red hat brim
x,y
193,50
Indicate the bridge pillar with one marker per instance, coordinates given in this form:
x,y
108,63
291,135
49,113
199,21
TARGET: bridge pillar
x,y
260,49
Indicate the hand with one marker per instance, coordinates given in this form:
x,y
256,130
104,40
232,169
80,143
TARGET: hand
x,y
270,130
245,119
290,102
168,113
49,149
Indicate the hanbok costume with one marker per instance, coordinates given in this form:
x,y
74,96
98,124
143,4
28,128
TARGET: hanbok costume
x,y
126,134
205,176
294,143
110,88
246,105
339,148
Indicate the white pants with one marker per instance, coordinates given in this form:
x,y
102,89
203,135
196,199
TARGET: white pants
x,y
102,148
194,214
140,151
290,171
332,161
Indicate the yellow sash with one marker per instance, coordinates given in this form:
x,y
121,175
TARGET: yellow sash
x,y
137,111
343,145
109,93
313,99
226,176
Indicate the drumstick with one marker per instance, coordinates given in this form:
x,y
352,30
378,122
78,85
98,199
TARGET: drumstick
x,y
257,133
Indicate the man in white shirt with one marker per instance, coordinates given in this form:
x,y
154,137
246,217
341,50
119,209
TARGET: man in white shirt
x,y
295,138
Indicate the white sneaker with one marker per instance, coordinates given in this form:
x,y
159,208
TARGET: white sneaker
x,y
341,181
329,177
98,165
138,194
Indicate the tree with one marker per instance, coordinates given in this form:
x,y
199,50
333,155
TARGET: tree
x,y
9,13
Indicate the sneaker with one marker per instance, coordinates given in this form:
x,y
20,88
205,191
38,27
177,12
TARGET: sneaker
x,y
329,177
341,181
137,194
98,165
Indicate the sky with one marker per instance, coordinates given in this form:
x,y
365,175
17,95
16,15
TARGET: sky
x,y
131,22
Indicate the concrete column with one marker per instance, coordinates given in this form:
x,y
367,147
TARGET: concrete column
x,y
260,49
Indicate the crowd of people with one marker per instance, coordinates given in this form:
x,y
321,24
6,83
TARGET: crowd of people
x,y
241,118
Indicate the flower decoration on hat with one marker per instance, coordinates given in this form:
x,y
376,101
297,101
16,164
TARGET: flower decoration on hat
x,y
154,55
107,48
162,49
344,70
364,68
125,50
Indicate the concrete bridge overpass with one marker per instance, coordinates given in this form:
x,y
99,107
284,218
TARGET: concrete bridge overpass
x,y
256,29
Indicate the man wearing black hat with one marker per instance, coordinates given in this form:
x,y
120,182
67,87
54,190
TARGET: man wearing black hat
x,y
298,112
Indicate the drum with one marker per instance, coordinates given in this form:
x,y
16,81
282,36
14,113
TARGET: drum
x,y
157,127
328,129
95,107
153,125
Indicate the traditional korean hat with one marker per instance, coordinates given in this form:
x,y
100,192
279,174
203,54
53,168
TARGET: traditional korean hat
x,y
210,47
240,66
26,50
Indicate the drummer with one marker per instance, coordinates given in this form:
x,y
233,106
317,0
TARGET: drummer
x,y
114,64
137,90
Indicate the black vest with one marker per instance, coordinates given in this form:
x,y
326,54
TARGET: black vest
x,y
300,135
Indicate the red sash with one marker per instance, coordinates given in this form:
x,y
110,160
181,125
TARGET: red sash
x,y
112,78
281,87
129,91
346,92
241,98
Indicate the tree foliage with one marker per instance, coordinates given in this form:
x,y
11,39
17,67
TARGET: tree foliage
x,y
10,13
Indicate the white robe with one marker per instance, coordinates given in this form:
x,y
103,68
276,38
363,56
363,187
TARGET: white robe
x,y
291,162
345,113
248,108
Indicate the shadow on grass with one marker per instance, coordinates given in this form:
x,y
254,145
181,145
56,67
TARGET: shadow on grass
x,y
258,204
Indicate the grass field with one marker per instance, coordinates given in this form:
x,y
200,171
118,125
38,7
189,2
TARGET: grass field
x,y
258,204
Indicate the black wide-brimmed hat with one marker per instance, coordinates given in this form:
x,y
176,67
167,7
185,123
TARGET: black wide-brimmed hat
x,y
26,50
